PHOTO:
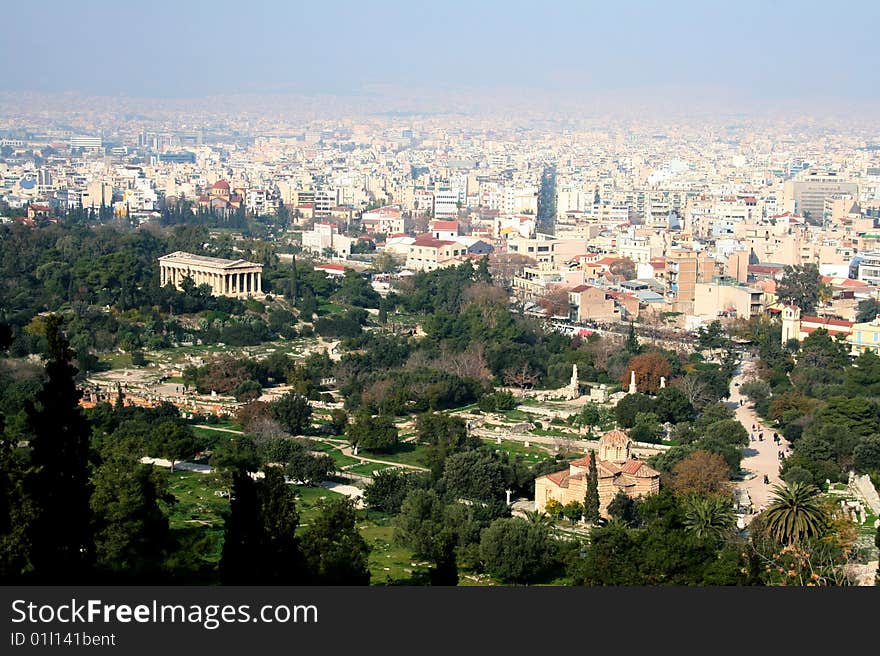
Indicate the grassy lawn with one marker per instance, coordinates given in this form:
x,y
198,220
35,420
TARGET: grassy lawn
x,y
197,505
211,438
307,499
341,459
407,453
389,563
330,308
117,360
225,423
867,529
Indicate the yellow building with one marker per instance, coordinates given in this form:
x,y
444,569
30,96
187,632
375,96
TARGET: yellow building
x,y
618,471
865,336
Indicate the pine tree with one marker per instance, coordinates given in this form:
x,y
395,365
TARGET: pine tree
x,y
59,529
591,501
132,535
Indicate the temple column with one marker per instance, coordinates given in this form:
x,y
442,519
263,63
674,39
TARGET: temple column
x,y
259,282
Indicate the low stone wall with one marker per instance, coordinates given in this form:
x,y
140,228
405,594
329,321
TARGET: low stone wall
x,y
552,413
865,489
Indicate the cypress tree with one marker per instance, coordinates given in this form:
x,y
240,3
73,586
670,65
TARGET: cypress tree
x,y
57,482
241,539
632,341
591,501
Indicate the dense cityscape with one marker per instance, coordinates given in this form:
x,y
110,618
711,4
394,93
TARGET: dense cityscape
x,y
438,338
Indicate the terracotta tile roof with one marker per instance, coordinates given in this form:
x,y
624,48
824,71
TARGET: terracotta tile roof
x,y
615,438
430,242
582,462
607,468
444,225
631,466
827,322
559,478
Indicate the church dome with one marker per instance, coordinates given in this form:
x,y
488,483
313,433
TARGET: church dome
x,y
615,438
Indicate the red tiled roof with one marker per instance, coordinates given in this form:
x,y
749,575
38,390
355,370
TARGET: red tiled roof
x,y
220,184
330,267
430,242
827,322
559,478
631,466
444,225
581,462
615,438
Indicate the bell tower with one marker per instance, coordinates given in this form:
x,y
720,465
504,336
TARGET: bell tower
x,y
791,323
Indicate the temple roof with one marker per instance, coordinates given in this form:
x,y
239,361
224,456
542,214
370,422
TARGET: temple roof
x,y
188,259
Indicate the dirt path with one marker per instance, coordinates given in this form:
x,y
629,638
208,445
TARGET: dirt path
x,y
760,457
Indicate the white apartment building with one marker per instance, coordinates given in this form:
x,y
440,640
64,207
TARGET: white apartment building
x,y
445,204
869,267
326,236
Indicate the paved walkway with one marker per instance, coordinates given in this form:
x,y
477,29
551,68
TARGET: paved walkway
x,y
759,458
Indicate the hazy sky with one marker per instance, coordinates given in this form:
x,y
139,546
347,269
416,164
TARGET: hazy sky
x,y
763,50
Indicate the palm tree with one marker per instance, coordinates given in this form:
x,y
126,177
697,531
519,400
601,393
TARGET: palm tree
x,y
796,513
709,517
538,517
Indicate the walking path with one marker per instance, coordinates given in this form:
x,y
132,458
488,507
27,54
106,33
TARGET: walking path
x,y
759,457
222,430
349,451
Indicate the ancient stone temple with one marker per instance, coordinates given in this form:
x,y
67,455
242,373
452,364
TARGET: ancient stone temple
x,y
225,277
617,470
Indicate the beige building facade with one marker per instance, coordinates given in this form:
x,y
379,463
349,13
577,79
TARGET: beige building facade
x,y
617,470
237,278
